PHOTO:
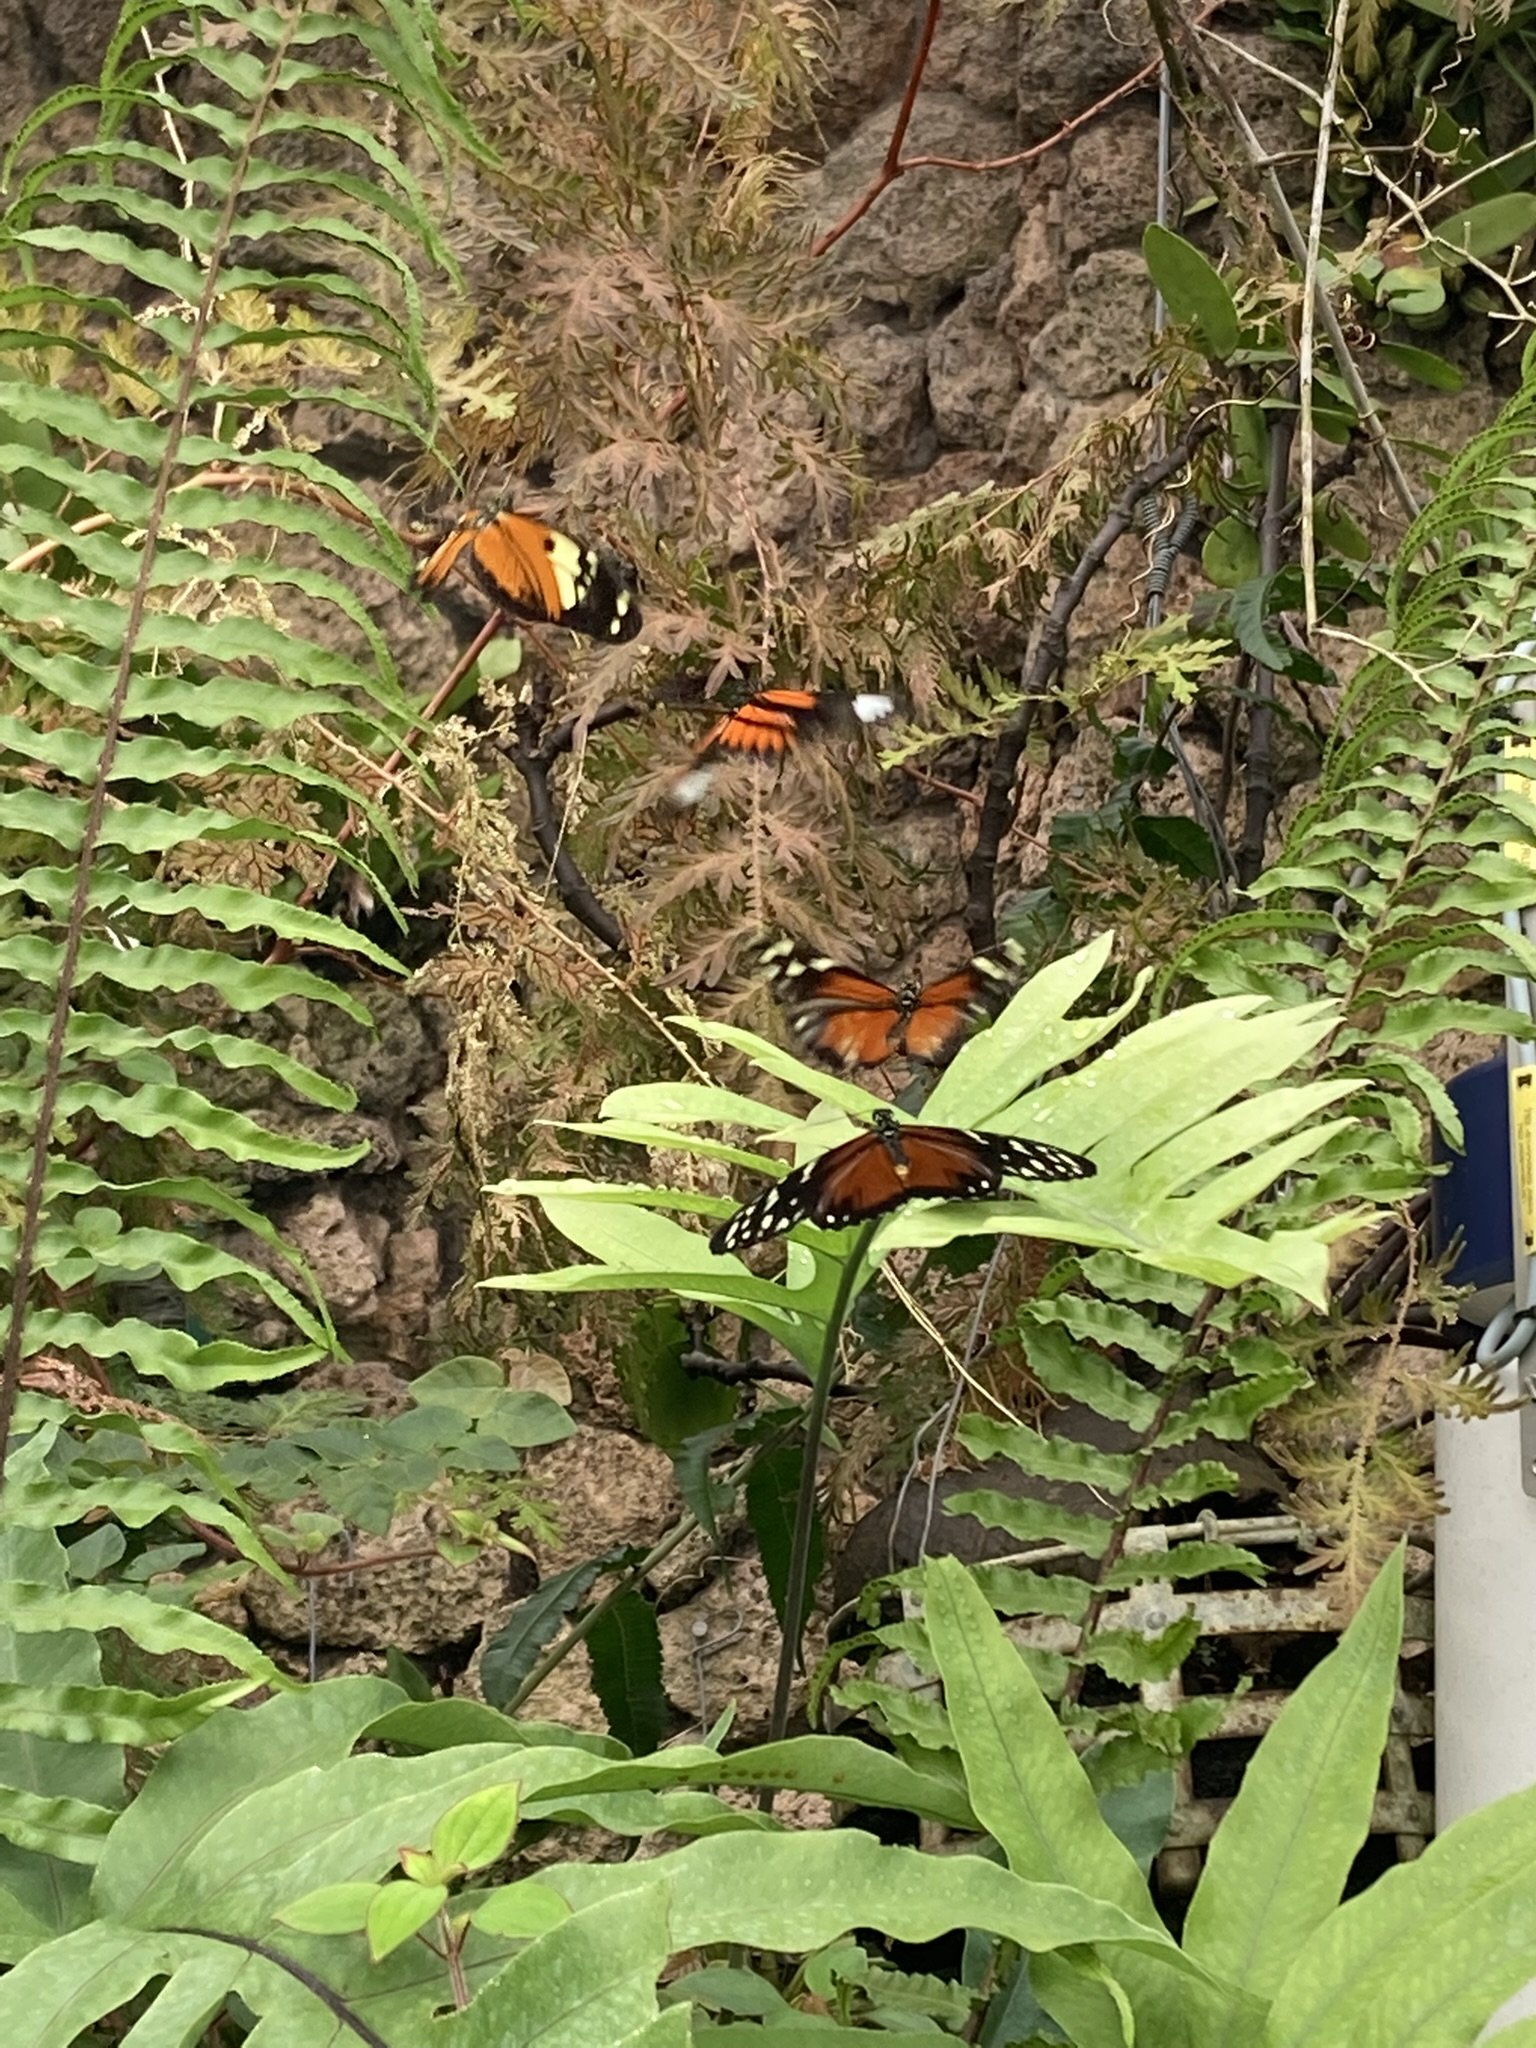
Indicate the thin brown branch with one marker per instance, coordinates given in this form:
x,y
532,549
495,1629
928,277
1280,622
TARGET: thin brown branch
x,y
998,800
529,758
735,1372
74,935
892,166
562,737
895,165
316,1986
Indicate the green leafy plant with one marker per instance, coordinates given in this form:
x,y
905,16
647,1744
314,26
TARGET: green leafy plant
x,y
1397,889
1183,1144
208,1886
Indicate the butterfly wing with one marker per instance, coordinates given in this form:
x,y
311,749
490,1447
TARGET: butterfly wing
x,y
947,1009
1027,1158
870,1176
836,1012
779,1208
543,574
439,564
536,572
927,1160
765,728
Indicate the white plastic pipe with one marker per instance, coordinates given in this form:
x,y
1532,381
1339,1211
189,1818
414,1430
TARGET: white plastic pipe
x,y
1485,1563
1485,1627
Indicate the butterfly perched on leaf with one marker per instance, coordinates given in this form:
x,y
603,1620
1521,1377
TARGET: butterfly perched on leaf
x,y
770,725
535,572
851,1020
889,1165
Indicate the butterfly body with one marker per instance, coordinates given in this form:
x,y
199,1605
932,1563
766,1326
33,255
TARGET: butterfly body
x,y
852,1020
888,1165
538,573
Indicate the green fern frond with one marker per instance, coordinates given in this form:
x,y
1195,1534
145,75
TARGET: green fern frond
x,y
247,231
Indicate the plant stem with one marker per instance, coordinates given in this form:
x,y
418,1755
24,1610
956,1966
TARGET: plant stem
x,y
805,1505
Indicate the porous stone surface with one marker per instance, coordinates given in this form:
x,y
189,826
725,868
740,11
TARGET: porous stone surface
x,y
928,232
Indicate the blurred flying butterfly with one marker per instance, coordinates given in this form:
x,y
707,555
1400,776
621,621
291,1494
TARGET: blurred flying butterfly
x,y
889,1165
851,1020
536,572
769,726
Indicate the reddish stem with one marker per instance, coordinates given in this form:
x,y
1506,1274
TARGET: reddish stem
x,y
896,165
893,166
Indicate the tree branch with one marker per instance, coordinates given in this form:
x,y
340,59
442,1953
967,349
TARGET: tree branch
x,y
892,167
895,165
533,751
1259,778
998,801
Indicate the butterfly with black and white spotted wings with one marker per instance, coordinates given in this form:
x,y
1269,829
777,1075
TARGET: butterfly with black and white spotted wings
x,y
889,1165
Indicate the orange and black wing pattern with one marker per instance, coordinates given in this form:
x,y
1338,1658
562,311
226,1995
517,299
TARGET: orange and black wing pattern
x,y
948,1010
894,1163
850,1019
834,1012
538,573
767,727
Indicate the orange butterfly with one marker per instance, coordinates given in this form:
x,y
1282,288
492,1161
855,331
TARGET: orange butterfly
x,y
852,1020
536,572
769,726
892,1164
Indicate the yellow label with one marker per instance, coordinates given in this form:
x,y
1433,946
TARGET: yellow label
x,y
1521,850
1522,1138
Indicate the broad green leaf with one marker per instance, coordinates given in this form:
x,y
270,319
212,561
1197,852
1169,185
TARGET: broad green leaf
x,y
588,1983
1431,1951
669,1403
40,1894
452,1723
476,1831
156,970
844,1769
1192,290
397,1911
799,1891
57,1826
806,2035
624,1646
60,1990
1277,1865
520,1910
214,1769
1421,363
20,1930
1230,554
1028,1789
511,1653
772,1489
1178,843
1485,230
333,1909
1029,1038
111,1713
